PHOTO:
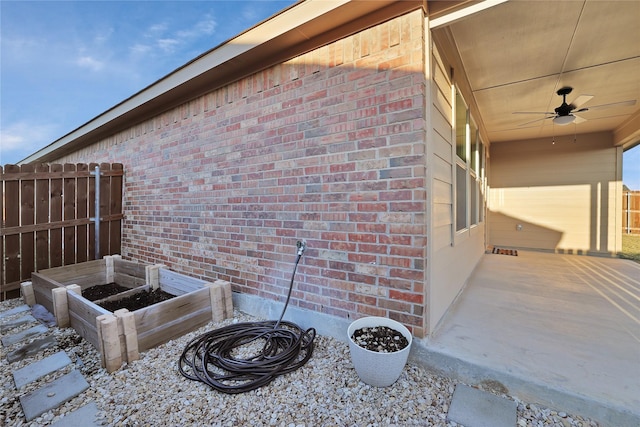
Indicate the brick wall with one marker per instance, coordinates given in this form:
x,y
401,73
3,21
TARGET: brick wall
x,y
327,147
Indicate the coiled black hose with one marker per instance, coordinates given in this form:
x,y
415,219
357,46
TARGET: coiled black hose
x,y
210,357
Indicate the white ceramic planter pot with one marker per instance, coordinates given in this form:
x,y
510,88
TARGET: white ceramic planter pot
x,y
374,368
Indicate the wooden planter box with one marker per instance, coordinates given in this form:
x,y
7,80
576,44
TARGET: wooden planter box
x,y
121,335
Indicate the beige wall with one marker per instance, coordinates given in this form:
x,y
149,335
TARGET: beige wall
x,y
562,197
452,256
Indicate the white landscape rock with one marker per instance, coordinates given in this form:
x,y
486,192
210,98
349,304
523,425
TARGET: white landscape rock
x,y
324,392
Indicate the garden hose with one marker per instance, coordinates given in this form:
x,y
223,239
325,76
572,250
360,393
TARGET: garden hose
x,y
210,357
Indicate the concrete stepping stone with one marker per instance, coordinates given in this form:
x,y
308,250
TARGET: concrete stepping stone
x,y
40,368
477,408
14,323
52,395
84,416
20,336
14,310
31,349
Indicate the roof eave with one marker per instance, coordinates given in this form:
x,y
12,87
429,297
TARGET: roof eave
x,y
293,31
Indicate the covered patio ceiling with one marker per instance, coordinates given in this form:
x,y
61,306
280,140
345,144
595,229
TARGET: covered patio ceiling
x,y
517,54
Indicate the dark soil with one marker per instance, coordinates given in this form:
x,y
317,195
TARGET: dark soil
x,y
97,292
381,339
137,301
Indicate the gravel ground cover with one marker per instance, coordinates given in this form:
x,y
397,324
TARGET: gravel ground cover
x,y
324,392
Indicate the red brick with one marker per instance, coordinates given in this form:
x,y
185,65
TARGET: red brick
x,y
406,296
316,148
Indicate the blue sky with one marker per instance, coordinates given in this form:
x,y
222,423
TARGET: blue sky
x,y
63,63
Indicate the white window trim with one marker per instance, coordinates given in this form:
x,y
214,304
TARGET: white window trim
x,y
476,179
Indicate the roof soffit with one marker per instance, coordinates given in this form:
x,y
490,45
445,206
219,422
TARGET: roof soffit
x,y
516,55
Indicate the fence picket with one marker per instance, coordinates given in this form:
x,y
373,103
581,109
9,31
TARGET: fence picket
x,y
69,213
42,216
115,230
55,215
631,212
91,199
27,217
82,212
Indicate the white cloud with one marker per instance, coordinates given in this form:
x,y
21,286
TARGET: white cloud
x,y
104,36
139,49
168,45
16,49
156,30
90,63
202,28
21,139
170,41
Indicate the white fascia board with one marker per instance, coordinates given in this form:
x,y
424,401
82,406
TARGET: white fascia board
x,y
463,13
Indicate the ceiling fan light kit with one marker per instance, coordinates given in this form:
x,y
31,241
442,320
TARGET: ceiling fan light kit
x,y
563,120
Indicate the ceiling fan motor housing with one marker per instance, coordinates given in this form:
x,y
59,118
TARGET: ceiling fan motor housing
x,y
564,109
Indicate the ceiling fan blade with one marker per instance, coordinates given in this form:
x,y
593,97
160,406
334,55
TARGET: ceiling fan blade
x,y
579,119
582,99
533,112
536,120
628,103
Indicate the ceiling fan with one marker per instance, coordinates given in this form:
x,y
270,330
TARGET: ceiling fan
x,y
565,113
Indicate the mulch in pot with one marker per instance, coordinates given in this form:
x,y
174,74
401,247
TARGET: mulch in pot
x,y
381,339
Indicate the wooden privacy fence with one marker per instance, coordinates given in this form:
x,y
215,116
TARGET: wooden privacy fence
x,y
631,212
48,217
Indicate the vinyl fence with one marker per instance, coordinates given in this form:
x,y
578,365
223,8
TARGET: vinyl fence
x,y
48,217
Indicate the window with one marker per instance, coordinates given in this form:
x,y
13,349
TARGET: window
x,y
473,171
474,136
462,131
461,127
461,198
469,170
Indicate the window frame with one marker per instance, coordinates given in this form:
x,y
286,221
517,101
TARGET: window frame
x,y
473,166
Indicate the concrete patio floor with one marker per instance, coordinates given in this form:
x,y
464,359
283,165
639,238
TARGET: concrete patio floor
x,y
560,330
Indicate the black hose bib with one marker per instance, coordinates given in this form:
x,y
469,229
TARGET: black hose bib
x,y
209,358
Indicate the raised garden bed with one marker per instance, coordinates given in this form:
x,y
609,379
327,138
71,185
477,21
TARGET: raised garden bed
x,y
119,333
